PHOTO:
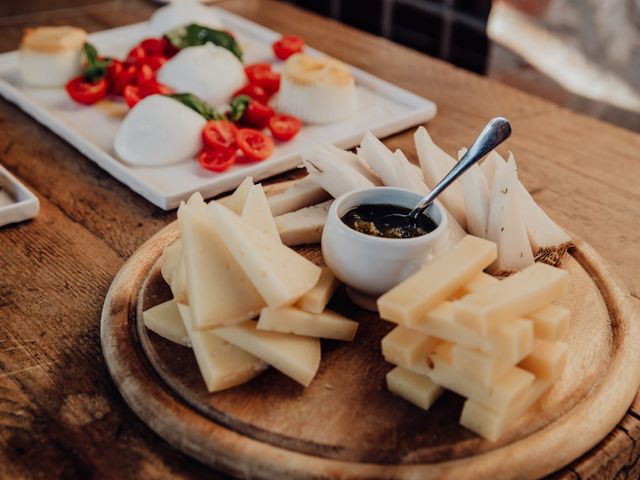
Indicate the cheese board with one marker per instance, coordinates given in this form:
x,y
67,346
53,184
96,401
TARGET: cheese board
x,y
346,423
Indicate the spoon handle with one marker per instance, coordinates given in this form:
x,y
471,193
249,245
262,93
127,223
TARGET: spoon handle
x,y
494,133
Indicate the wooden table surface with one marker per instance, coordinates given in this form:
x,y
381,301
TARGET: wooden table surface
x,y
60,414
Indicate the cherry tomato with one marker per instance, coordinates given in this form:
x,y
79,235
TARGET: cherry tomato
x,y
132,95
153,46
126,77
254,144
137,55
156,61
145,75
261,75
284,127
255,92
217,159
85,92
257,114
169,49
151,88
219,133
287,46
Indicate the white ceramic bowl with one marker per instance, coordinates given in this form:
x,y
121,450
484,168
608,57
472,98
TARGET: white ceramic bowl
x,y
373,265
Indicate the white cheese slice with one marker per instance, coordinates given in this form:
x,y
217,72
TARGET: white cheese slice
x,y
380,159
520,294
489,166
304,193
327,324
164,319
219,291
296,356
355,161
439,278
304,226
316,299
256,212
278,273
173,271
414,388
476,199
238,198
221,364
333,175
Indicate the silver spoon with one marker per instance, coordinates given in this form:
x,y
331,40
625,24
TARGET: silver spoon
x,y
494,133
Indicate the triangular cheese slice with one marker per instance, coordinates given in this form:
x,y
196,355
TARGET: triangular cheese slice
x,y
280,274
327,324
219,292
221,364
237,200
165,320
296,356
173,271
256,212
476,198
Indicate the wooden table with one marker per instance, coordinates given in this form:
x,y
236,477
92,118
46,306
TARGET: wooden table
x,y
60,414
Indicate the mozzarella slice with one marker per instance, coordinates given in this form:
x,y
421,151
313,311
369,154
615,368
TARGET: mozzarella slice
x,y
180,14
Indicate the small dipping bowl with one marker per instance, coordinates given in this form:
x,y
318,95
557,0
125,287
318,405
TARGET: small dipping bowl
x,y
373,265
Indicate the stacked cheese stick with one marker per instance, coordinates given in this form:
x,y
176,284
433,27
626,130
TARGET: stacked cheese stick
x,y
229,267
497,343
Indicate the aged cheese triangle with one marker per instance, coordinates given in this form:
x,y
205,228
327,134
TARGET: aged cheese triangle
x,y
280,274
256,212
165,320
221,364
219,291
296,356
237,200
173,271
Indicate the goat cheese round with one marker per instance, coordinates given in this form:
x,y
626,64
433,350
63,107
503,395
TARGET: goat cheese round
x,y
179,14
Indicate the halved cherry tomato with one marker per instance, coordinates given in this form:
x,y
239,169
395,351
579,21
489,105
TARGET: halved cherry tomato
x,y
284,127
136,55
145,75
254,144
287,46
169,49
156,61
153,46
255,92
132,95
261,75
217,159
85,92
257,114
151,88
219,133
126,77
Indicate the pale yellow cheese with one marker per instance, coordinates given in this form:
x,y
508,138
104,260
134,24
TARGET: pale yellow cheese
x,y
170,260
164,319
476,284
407,347
296,356
236,201
414,388
316,299
221,364
219,291
280,274
547,360
520,294
256,212
512,340
327,324
485,368
304,193
436,280
551,322
304,226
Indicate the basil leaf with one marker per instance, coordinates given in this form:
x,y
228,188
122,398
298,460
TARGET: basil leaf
x,y
238,106
194,35
95,68
196,104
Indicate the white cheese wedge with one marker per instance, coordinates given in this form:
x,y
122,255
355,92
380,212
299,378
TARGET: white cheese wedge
x,y
547,360
304,226
164,319
219,292
520,294
407,346
173,271
354,161
435,164
180,14
476,199
506,225
551,322
304,193
334,175
316,299
278,273
221,364
256,212
238,198
296,356
380,159
414,388
489,166
436,280
408,177
327,324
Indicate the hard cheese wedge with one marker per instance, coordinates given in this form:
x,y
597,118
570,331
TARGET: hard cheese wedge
x,y
219,291
164,319
173,271
279,274
237,200
256,212
296,356
521,293
221,364
304,226
316,299
414,388
327,324
435,281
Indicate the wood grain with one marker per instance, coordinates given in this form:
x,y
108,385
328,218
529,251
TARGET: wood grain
x,y
50,304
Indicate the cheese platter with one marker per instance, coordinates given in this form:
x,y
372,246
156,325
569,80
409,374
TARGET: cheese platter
x,y
449,371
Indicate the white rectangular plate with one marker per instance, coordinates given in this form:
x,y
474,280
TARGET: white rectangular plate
x,y
17,203
384,109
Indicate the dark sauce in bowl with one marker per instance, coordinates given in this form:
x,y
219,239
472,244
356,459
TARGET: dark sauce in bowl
x,y
373,219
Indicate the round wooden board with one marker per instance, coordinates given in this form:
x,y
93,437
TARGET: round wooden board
x,y
346,424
